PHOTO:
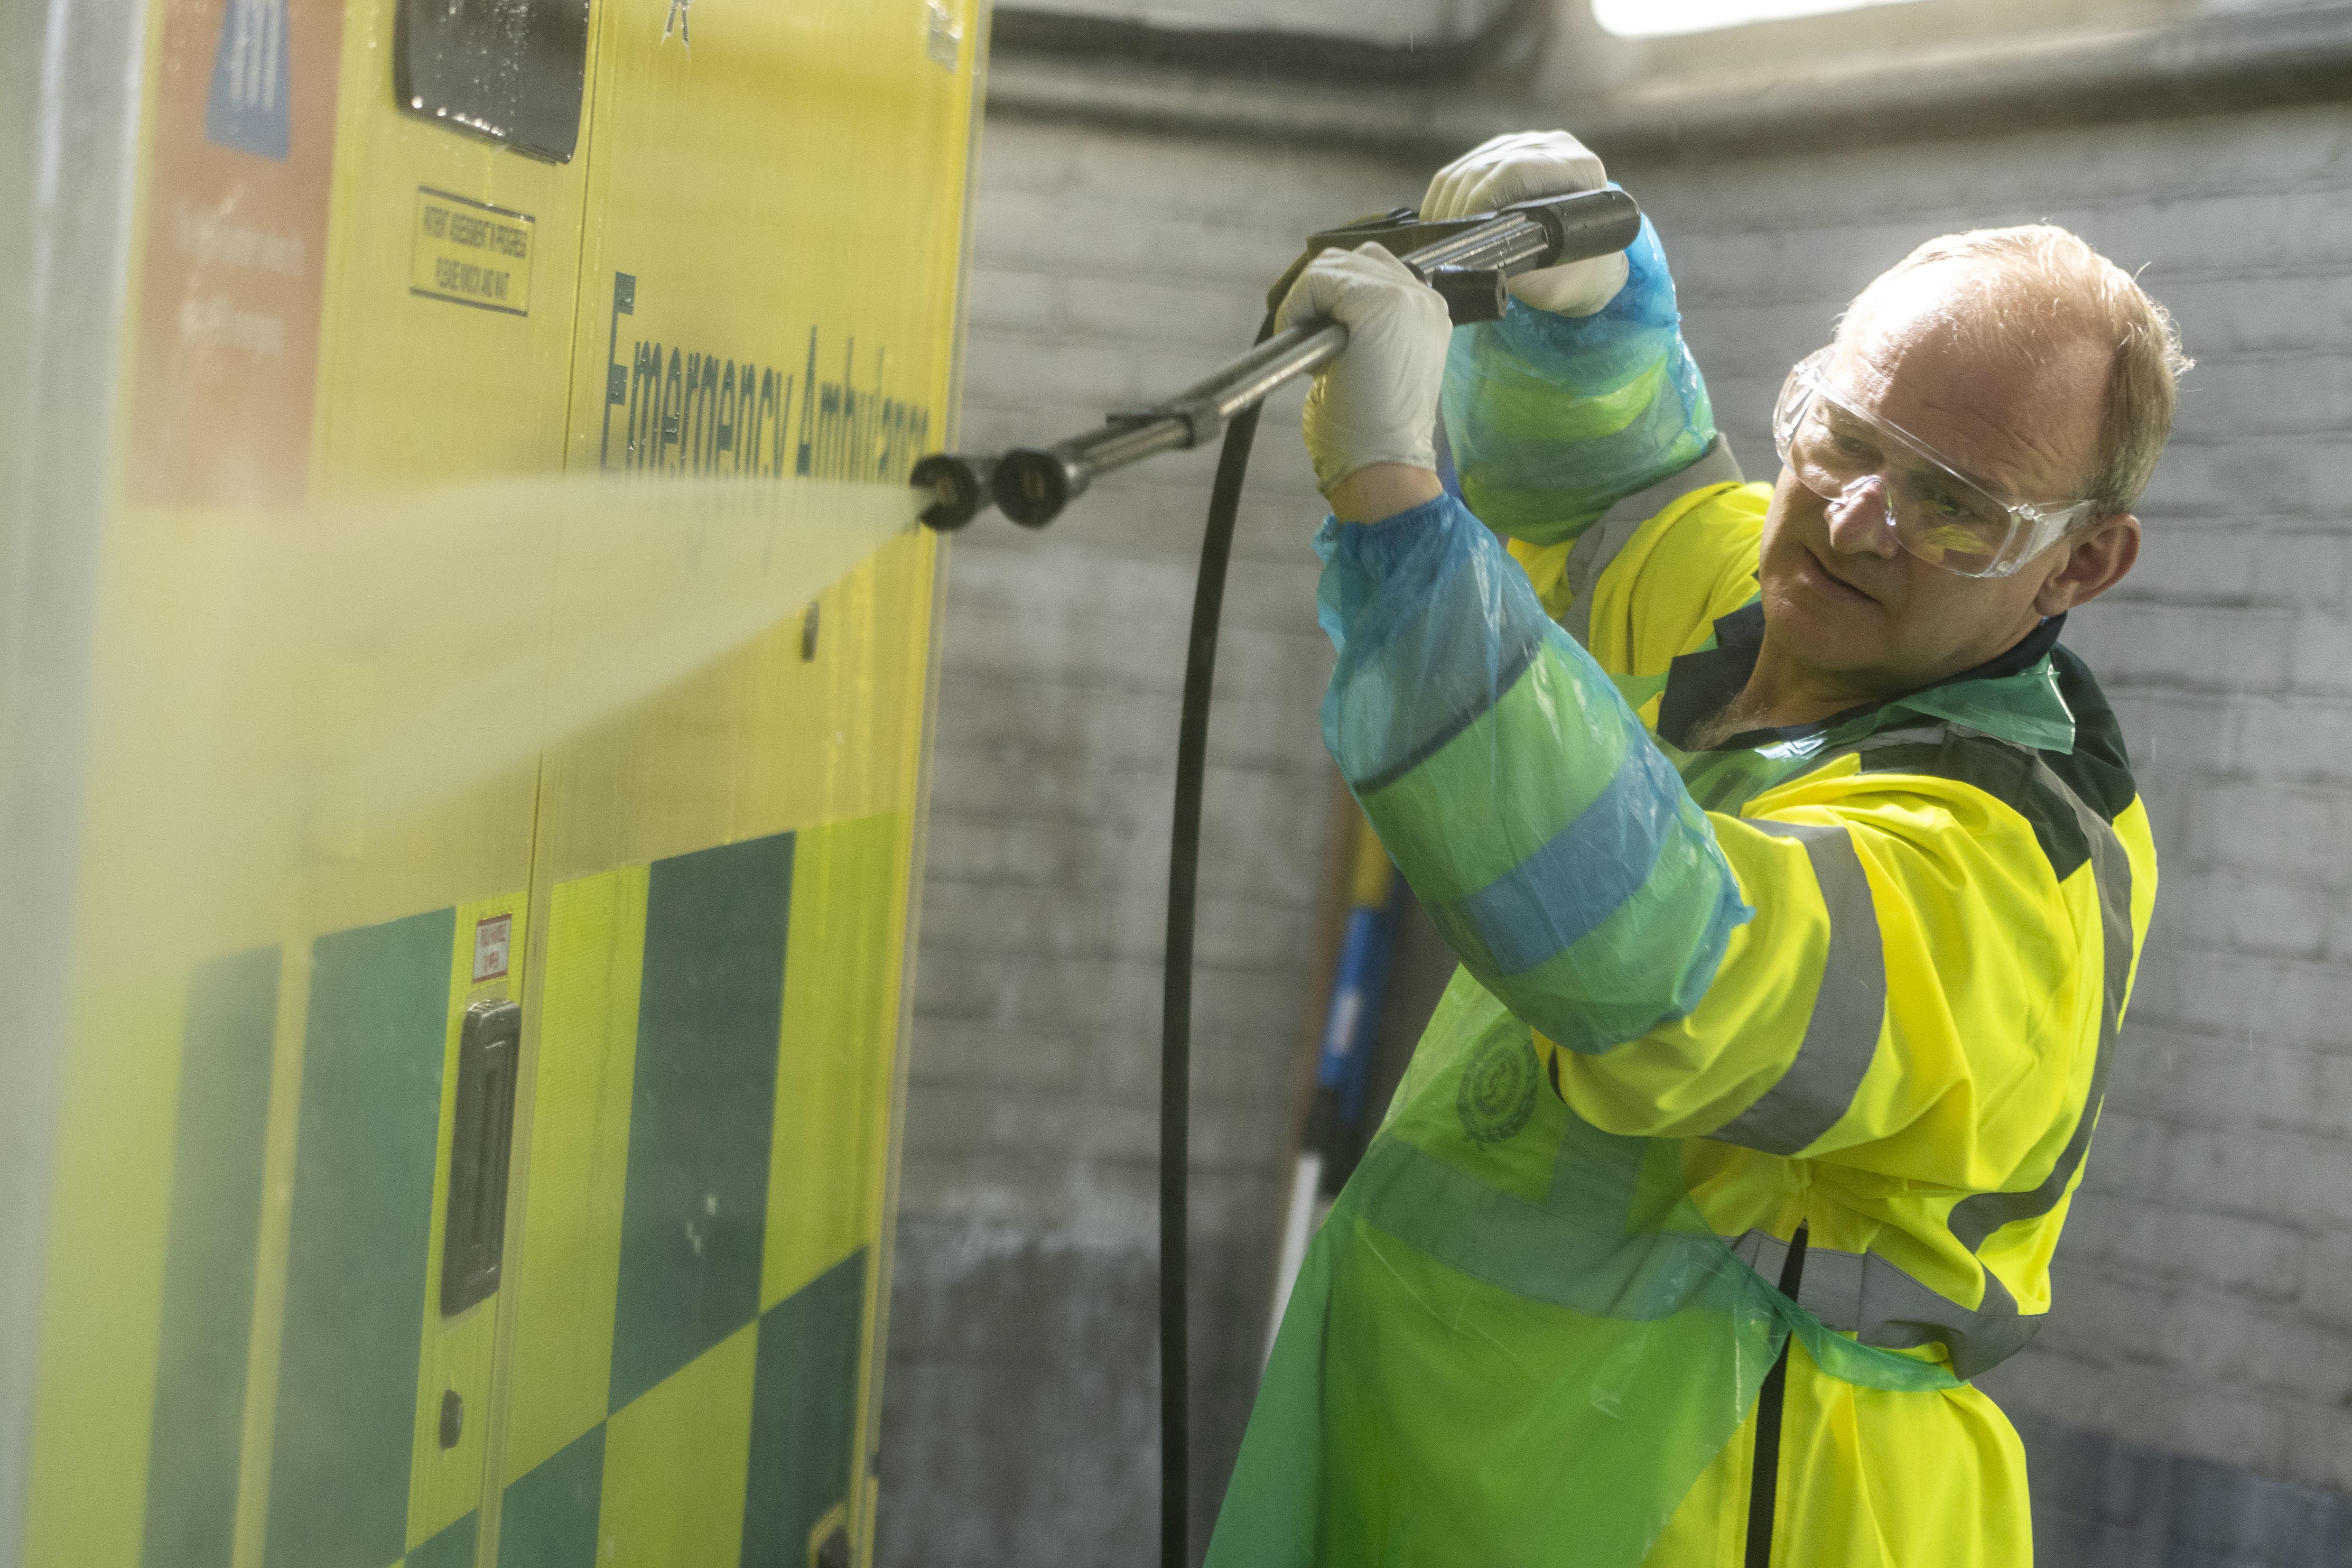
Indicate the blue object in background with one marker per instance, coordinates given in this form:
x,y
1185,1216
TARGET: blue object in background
x,y
1335,1126
252,83
1334,1134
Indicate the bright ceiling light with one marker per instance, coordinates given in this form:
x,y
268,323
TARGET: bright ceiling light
x,y
1658,19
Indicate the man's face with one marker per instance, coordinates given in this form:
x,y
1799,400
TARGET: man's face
x,y
1847,607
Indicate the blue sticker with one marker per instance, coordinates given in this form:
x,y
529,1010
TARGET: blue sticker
x,y
251,81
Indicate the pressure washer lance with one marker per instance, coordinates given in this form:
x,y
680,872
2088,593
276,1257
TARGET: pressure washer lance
x,y
1467,260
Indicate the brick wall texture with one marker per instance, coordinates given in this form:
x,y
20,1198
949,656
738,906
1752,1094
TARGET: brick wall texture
x,y
2190,1402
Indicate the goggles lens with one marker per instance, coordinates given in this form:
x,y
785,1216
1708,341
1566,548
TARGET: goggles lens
x,y
1937,514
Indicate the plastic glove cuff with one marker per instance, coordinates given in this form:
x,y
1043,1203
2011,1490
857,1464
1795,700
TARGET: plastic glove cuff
x,y
1332,471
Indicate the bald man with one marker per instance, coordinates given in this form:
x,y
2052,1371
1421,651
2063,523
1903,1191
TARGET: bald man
x,y
1797,876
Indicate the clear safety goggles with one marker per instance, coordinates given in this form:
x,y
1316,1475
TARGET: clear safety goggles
x,y
1937,513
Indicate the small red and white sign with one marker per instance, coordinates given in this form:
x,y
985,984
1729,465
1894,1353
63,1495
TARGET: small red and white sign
x,y
492,938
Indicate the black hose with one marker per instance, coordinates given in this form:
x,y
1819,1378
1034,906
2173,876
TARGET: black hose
x,y
1176,994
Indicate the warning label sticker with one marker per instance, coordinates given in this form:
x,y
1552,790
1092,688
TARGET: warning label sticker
x,y
493,939
469,253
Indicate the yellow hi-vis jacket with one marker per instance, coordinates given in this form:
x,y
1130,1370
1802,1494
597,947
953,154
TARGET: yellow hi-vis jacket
x,y
1904,1051
1829,1008
1858,982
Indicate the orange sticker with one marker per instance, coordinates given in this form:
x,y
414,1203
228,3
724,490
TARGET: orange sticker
x,y
232,282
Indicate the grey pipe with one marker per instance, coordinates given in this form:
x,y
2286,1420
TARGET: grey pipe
x,y
2208,65
1263,52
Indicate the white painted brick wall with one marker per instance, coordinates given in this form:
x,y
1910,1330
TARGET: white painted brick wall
x,y
2203,1282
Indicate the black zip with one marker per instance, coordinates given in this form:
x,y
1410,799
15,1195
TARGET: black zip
x,y
1764,1479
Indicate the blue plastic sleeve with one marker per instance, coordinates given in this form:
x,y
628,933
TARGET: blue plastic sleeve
x,y
1552,842
1551,419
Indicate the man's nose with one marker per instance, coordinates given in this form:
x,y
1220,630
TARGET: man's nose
x,y
1862,520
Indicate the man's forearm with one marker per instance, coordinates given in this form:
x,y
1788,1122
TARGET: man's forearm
x,y
1378,491
1549,839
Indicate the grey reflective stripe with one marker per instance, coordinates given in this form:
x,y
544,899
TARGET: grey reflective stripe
x,y
1974,1218
1761,1251
1863,1294
1911,735
1849,1008
1879,1303
1600,544
1587,559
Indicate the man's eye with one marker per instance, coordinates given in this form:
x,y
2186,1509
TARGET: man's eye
x,y
1944,536
1848,446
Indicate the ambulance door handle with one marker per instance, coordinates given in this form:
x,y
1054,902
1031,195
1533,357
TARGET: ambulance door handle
x,y
475,1230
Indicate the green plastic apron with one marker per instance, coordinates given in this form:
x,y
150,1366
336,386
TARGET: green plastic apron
x,y
1514,1342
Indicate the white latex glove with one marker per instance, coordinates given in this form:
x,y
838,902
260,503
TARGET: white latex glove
x,y
1377,403
1520,167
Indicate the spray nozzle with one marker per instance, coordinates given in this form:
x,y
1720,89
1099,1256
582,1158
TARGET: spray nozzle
x,y
958,484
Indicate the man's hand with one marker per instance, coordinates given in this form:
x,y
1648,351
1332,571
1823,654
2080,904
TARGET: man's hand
x,y
1518,168
1377,403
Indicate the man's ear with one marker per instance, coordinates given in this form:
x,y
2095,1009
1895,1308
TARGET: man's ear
x,y
2095,562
